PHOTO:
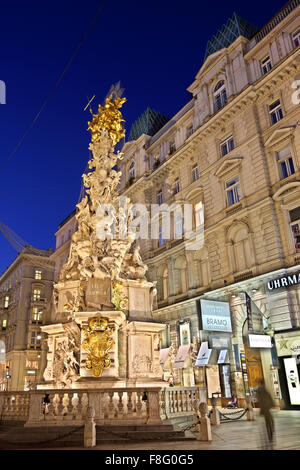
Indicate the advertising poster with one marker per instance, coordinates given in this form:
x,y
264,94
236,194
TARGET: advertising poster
x,y
185,334
223,356
163,354
213,380
215,316
181,356
292,377
219,342
225,377
203,355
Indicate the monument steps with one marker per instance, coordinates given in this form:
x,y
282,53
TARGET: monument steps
x,y
14,435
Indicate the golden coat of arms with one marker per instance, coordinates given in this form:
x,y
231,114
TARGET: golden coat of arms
x,y
98,341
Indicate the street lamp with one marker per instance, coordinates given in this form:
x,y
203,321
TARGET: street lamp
x,y
8,376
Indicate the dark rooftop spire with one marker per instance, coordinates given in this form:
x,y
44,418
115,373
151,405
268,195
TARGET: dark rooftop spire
x,y
230,31
148,123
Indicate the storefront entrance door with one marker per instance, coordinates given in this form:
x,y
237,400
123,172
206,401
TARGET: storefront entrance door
x,y
254,367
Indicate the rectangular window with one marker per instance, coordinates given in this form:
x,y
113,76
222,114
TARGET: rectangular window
x,y
37,315
172,147
199,214
176,186
195,172
275,112
220,99
266,65
4,324
6,301
286,164
178,226
161,240
189,131
227,145
31,364
296,38
36,295
38,274
159,197
295,228
233,191
35,339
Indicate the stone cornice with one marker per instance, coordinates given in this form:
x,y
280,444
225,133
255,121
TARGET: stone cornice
x,y
251,93
266,39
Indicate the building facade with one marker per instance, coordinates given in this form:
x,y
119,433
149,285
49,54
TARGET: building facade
x,y
25,305
63,241
232,153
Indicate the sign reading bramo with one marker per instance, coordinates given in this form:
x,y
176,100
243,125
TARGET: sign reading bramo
x,y
285,281
215,316
162,222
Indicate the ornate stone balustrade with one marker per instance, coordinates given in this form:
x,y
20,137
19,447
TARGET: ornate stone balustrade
x,y
14,406
62,407
178,401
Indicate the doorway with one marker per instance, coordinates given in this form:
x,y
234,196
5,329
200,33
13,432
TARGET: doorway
x,y
254,369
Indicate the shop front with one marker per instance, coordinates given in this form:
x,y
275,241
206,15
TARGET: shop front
x,y
214,353
288,352
237,322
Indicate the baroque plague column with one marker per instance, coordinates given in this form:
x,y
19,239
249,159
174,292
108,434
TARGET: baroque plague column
x,y
103,333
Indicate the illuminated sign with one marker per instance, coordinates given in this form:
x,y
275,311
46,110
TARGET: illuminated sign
x,y
215,316
287,344
285,281
260,341
292,377
219,342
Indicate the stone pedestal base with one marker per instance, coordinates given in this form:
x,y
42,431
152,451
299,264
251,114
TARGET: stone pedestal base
x,y
134,355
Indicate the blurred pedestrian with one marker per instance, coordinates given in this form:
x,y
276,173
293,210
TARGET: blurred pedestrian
x,y
266,403
233,402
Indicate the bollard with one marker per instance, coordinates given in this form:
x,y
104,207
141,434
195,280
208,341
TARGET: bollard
x,y
196,427
250,411
215,415
90,428
205,427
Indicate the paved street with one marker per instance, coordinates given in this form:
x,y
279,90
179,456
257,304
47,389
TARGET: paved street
x,y
238,435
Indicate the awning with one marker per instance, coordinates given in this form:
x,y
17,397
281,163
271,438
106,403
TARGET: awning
x,y
182,354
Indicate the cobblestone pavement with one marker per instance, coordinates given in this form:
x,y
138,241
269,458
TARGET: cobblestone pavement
x,y
236,435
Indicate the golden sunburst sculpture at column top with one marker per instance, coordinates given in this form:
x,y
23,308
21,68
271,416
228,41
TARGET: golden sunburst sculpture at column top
x,y
110,118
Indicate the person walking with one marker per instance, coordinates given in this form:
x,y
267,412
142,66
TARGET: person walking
x,y
265,403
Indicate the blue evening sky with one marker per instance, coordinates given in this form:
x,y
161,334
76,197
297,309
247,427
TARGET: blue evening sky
x,y
155,48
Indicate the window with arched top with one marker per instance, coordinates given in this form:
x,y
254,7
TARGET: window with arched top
x,y
181,275
220,95
241,253
132,170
